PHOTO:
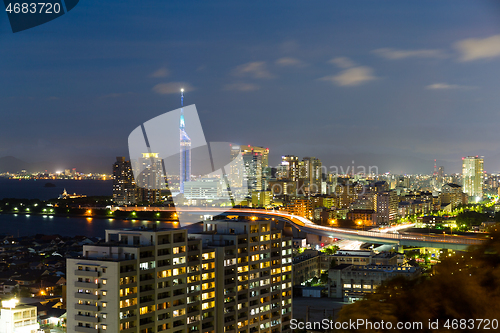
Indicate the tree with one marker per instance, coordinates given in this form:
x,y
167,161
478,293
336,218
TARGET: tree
x,y
471,218
330,249
466,285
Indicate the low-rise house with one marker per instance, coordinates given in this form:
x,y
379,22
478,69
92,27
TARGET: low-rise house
x,y
350,281
8,287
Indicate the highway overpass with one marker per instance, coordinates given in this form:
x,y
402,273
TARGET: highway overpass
x,y
296,225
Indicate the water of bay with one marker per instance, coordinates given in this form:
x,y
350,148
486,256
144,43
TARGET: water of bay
x,y
30,225
35,189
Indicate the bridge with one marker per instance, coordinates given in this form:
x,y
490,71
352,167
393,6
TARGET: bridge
x,y
302,225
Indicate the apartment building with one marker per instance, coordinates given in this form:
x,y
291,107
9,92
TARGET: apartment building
x,y
16,317
351,281
235,276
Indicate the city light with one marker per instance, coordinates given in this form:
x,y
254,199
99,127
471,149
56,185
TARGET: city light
x,y
10,303
366,124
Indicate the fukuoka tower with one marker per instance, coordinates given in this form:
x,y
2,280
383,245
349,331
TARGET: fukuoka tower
x,y
185,149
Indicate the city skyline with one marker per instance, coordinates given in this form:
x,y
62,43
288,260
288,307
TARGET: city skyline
x,y
329,154
340,84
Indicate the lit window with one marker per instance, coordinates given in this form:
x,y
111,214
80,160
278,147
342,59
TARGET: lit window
x,y
104,281
104,304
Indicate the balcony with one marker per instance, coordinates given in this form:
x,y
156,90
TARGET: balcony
x,y
86,296
207,321
87,285
193,311
88,319
129,317
85,329
207,326
86,307
86,273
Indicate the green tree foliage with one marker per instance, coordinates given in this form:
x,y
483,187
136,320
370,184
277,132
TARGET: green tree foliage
x,y
471,218
330,249
465,286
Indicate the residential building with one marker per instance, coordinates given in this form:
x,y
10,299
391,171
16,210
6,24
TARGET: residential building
x,y
151,179
348,281
235,276
311,263
363,217
289,168
386,207
124,187
452,194
283,187
311,175
302,207
261,198
18,318
255,162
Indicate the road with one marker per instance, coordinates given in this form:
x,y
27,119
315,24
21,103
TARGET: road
x,y
379,235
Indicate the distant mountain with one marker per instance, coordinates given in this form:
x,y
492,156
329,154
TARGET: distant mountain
x,y
86,164
12,164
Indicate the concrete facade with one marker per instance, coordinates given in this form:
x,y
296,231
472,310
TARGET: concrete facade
x,y
235,276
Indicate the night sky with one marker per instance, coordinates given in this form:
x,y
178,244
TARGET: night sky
x,y
389,83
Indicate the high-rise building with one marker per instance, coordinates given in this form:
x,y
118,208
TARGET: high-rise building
x,y
185,150
311,175
124,187
290,168
236,276
441,171
386,206
151,179
472,176
256,163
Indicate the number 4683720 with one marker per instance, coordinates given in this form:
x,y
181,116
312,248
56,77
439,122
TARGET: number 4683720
x,y
34,8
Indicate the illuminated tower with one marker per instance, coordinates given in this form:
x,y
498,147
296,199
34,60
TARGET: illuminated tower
x,y
185,150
